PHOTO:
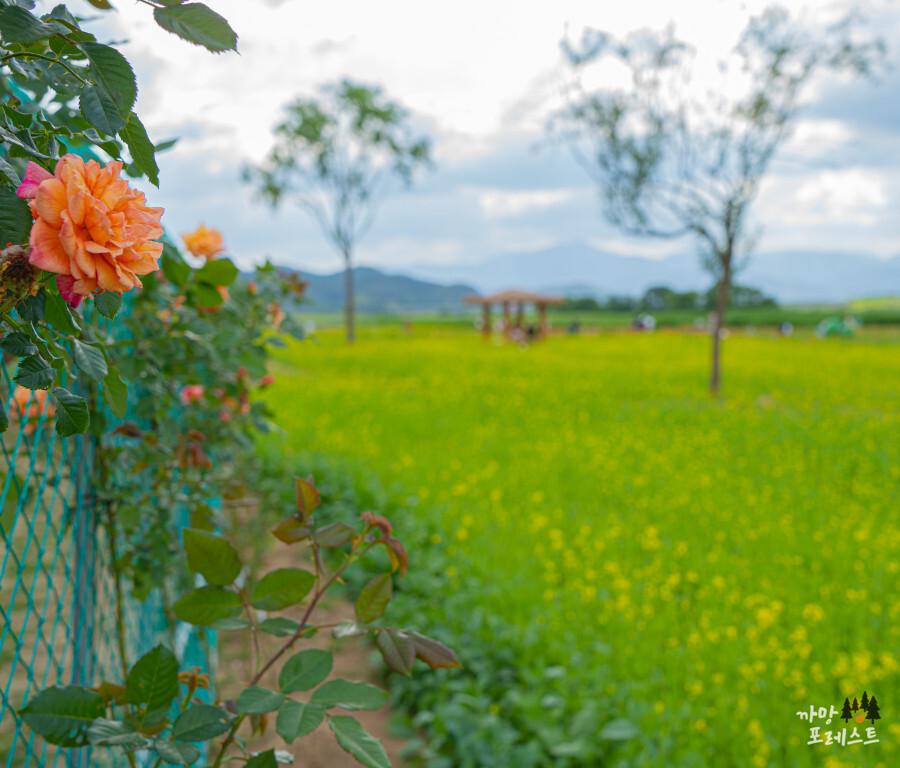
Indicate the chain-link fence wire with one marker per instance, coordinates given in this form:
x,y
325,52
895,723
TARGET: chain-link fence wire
x,y
57,592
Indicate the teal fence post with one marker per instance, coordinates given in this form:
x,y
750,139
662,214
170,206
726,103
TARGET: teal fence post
x,y
84,532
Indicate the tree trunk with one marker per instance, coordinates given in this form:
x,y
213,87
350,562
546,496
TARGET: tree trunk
x,y
715,377
349,299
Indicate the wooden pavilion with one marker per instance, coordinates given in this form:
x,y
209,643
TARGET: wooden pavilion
x,y
515,299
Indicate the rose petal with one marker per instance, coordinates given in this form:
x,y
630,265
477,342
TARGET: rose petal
x,y
143,259
68,235
98,225
34,175
70,167
92,172
66,286
107,279
51,201
47,251
79,205
85,286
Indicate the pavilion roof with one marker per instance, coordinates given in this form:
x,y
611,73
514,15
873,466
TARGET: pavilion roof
x,y
514,296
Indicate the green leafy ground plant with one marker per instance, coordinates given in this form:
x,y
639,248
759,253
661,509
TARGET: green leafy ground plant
x,y
153,709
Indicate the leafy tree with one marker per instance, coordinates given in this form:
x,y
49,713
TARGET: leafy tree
x,y
621,304
687,300
846,713
335,156
670,163
663,298
582,304
740,296
874,713
658,298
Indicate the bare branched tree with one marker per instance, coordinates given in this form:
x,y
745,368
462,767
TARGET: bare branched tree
x,y
670,162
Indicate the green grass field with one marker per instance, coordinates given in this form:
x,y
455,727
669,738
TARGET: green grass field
x,y
870,312
626,546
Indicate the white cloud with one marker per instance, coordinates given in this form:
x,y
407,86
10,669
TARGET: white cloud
x,y
456,146
518,240
817,139
405,251
844,209
470,65
500,203
640,248
850,196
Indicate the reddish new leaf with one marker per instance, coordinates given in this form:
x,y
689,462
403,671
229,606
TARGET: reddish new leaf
x,y
128,429
292,530
397,650
110,692
436,655
397,555
334,535
308,497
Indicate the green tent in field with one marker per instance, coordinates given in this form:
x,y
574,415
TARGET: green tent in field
x,y
835,326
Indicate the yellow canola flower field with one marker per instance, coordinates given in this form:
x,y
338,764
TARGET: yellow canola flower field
x,y
714,566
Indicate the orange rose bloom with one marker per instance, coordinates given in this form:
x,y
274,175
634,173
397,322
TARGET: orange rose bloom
x,y
204,242
91,226
29,405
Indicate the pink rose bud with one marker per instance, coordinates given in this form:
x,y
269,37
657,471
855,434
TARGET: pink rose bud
x,y
191,393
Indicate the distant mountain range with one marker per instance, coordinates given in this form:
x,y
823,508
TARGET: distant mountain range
x,y
577,269
379,292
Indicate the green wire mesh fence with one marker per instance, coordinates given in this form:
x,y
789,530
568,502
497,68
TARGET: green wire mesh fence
x,y
57,595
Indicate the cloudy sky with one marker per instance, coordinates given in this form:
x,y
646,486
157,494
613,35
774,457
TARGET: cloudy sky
x,y
480,78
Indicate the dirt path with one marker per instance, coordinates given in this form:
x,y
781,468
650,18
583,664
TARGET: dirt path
x,y
351,661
